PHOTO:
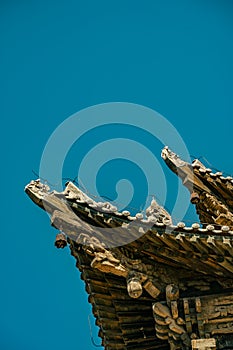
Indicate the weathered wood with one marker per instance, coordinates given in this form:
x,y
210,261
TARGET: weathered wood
x,y
174,268
204,344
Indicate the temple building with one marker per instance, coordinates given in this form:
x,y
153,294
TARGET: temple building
x,y
153,284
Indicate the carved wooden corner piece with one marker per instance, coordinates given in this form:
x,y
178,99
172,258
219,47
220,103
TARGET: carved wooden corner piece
x,y
105,262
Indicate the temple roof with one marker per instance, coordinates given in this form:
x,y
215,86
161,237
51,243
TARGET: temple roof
x,y
129,262
211,192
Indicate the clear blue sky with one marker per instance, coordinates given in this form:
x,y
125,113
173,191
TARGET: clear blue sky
x,y
58,57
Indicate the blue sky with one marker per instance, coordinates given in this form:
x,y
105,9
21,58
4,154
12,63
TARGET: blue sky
x,y
60,57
